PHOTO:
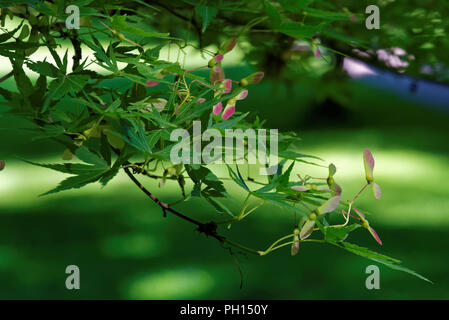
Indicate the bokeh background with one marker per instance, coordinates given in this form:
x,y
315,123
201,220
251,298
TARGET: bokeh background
x,y
125,249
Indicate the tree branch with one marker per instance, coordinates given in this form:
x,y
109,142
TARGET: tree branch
x,y
7,76
77,47
209,229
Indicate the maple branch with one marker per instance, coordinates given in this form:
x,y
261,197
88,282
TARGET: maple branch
x,y
209,229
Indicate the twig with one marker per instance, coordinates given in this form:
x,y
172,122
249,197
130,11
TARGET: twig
x,y
7,76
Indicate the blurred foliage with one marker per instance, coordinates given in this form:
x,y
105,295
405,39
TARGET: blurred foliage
x,y
296,43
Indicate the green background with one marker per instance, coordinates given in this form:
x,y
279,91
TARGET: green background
x,y
126,249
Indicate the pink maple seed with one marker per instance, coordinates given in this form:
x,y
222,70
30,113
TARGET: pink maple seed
x,y
216,75
337,189
376,190
151,83
295,246
318,53
361,215
368,161
375,235
307,229
242,95
258,77
252,79
300,188
218,58
228,45
231,44
200,100
217,108
330,205
227,85
228,112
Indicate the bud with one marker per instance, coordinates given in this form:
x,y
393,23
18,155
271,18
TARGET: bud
x,y
2,165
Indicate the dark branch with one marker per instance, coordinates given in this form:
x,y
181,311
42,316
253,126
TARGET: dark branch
x,y
209,229
77,47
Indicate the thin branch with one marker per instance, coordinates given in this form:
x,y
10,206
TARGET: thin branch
x,y
77,47
209,229
7,76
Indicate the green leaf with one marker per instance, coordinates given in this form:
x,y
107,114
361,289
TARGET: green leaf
x,y
136,136
89,157
25,86
338,234
203,176
273,14
96,170
44,68
8,35
377,257
237,177
207,14
300,31
220,207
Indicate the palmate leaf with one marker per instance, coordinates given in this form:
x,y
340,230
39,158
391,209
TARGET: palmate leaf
x,y
338,234
207,14
300,31
203,176
96,169
377,257
273,14
44,68
237,177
